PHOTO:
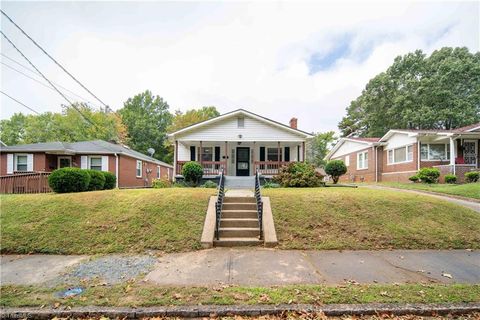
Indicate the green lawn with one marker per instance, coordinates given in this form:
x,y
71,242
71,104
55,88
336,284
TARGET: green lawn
x,y
171,220
361,218
143,295
468,190
104,221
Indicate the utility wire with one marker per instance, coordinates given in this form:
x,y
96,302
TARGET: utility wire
x,y
38,81
19,102
56,62
46,79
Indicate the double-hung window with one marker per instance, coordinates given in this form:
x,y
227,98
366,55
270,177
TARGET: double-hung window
x,y
96,163
139,169
399,155
21,162
207,153
273,154
362,160
158,172
434,151
347,161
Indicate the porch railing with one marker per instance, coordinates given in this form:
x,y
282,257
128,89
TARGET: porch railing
x,y
209,167
259,201
32,182
219,205
269,167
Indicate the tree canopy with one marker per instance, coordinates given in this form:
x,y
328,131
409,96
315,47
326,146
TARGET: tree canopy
x,y
440,91
319,146
147,117
182,120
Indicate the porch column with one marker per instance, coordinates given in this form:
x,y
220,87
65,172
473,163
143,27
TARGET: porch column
x,y
253,158
453,153
175,158
278,152
226,157
303,151
200,154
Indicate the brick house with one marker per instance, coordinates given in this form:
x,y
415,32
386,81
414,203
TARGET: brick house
x,y
132,168
399,154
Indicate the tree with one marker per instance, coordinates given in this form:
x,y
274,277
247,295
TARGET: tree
x,y
319,146
335,168
441,91
68,126
147,117
182,120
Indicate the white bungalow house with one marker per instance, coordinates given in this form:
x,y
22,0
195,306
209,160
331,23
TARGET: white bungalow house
x,y
239,142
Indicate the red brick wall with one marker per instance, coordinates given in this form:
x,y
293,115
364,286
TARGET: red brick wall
x,y
127,172
354,175
39,162
399,172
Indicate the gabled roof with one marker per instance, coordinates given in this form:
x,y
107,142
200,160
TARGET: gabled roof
x,y
238,112
82,147
460,130
366,141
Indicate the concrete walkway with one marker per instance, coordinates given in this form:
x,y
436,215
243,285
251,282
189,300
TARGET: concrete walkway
x,y
264,267
464,203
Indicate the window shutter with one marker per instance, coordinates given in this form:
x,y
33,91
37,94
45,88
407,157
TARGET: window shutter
x,y
84,162
192,153
262,153
287,154
30,162
217,154
9,163
104,163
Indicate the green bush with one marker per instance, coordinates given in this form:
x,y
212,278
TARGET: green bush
x,y
209,184
414,178
69,180
110,180
335,168
429,175
97,180
472,176
192,172
450,178
298,175
161,183
270,185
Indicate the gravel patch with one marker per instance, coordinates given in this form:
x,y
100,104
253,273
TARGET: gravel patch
x,y
112,269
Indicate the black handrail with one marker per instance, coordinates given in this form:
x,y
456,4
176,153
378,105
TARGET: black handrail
x,y
219,204
259,201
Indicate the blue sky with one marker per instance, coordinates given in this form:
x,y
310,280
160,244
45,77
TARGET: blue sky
x,y
279,59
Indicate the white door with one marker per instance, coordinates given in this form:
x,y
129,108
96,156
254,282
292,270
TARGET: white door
x,y
470,151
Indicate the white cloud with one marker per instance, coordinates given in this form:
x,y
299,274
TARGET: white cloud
x,y
233,55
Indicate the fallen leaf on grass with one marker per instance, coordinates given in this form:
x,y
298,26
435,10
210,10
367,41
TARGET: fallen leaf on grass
x,y
177,296
264,298
447,275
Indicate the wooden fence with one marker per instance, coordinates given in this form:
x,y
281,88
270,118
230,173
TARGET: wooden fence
x,y
34,182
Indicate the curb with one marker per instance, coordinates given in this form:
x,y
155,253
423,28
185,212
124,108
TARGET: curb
x,y
243,310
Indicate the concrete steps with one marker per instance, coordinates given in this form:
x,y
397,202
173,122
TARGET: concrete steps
x,y
239,223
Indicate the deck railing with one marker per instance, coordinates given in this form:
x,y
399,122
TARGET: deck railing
x,y
210,168
269,167
32,182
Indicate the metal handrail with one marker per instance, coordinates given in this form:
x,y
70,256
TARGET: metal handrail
x,y
219,204
259,201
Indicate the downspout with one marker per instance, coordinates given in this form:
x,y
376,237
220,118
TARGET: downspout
x,y
116,170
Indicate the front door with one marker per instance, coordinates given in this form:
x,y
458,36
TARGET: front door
x,y
470,151
64,162
243,161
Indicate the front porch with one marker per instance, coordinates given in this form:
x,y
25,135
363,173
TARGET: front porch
x,y
238,158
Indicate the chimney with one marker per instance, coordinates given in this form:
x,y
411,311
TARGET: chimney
x,y
293,123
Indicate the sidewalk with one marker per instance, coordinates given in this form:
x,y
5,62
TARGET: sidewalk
x,y
252,267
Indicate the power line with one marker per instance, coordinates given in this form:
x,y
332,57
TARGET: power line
x,y
56,62
19,102
40,82
46,79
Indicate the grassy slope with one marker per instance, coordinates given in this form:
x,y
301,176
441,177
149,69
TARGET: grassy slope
x,y
469,190
104,221
148,295
347,218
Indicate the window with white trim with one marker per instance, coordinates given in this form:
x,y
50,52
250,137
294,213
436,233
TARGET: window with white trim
x,y
399,155
362,160
347,161
434,151
273,154
207,154
139,169
21,162
240,122
95,163
158,172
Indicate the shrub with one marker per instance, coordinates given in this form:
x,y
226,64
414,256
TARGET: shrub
x,y
69,180
429,175
97,180
414,178
161,183
472,176
450,178
298,174
270,185
179,184
110,180
192,172
335,168
209,184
